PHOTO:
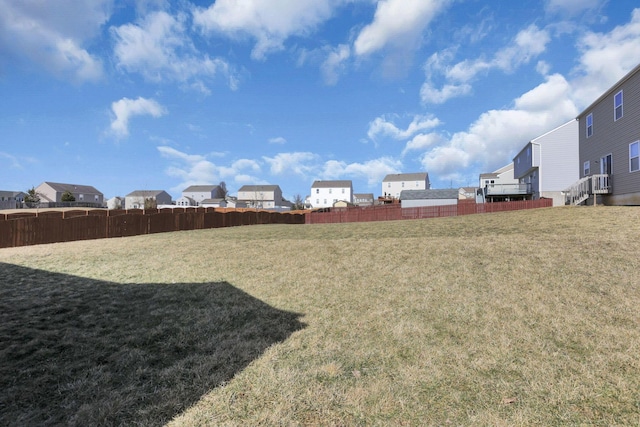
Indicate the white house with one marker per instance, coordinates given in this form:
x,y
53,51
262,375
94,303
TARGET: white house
x,y
549,163
194,195
325,194
261,196
142,199
394,184
115,203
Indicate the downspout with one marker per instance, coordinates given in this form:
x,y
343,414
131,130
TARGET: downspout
x,y
539,167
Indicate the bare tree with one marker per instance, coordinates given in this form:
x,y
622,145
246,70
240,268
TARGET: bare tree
x,y
223,189
298,203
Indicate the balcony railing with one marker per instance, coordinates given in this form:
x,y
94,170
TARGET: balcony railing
x,y
507,189
587,186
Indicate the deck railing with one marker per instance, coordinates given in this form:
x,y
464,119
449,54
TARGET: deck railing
x,y
582,189
507,189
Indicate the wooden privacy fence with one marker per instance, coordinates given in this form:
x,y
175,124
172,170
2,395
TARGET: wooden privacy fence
x,y
33,228
395,212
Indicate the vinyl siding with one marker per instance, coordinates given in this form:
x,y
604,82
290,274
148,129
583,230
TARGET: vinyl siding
x,y
559,158
613,137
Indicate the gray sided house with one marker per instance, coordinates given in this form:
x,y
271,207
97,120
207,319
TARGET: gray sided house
x,y
394,184
85,195
609,145
194,195
363,199
431,197
261,196
146,199
548,163
11,199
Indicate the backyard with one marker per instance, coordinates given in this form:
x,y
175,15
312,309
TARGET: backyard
x,y
515,318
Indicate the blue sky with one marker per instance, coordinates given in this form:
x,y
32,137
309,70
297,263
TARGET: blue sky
x,y
133,95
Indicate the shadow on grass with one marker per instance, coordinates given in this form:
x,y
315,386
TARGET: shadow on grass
x,y
77,351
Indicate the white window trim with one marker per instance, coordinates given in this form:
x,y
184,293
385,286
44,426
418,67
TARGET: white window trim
x,y
586,168
590,126
615,107
634,157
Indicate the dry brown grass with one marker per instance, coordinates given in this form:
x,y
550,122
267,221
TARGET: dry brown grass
x,y
520,318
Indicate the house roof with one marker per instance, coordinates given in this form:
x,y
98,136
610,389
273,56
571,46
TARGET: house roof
x,y
72,188
488,175
363,196
259,188
612,89
447,193
210,201
11,193
145,193
200,188
332,184
504,169
396,177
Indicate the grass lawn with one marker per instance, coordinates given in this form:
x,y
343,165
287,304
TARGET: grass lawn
x,y
517,318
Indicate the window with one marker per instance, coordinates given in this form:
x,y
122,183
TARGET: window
x,y
402,184
634,156
586,168
81,197
343,191
617,106
589,125
330,190
317,202
317,191
417,184
95,197
388,185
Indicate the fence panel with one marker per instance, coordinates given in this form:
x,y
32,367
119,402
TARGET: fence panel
x,y
129,224
396,212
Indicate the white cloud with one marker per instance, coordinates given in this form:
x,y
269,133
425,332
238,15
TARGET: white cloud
x,y
373,170
572,7
496,136
432,95
160,49
606,58
528,44
334,64
269,23
397,23
126,108
383,127
12,161
299,163
194,169
423,141
51,34
277,140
